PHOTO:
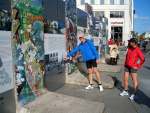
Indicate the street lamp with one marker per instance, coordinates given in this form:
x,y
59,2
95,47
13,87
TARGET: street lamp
x,y
104,33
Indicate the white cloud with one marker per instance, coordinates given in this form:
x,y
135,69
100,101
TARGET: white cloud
x,y
141,17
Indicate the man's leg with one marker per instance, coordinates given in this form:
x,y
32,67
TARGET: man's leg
x,y
95,70
90,78
90,75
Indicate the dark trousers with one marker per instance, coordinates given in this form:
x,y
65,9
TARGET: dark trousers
x,y
113,61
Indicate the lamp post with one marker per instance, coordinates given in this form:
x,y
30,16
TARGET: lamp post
x,y
104,34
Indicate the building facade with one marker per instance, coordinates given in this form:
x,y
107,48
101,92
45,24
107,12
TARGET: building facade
x,y
119,14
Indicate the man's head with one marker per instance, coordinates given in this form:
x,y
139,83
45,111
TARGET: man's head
x,y
133,42
81,37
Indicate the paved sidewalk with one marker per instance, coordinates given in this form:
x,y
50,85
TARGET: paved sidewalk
x,y
74,98
60,103
113,102
104,67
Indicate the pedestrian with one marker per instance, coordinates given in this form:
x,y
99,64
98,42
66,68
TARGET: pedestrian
x,y
110,41
114,53
91,57
133,62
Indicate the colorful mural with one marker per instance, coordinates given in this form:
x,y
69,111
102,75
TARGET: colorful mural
x,y
54,43
6,70
71,30
28,48
71,24
5,20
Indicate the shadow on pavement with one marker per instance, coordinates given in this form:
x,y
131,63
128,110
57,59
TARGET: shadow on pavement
x,y
142,98
147,67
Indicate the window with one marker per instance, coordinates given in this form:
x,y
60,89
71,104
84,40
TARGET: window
x,y
121,2
88,1
116,14
112,2
97,1
102,2
92,2
116,2
99,13
82,2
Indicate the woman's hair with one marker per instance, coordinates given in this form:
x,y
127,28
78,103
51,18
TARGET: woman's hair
x,y
133,40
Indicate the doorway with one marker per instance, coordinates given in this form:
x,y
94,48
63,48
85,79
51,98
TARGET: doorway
x,y
116,33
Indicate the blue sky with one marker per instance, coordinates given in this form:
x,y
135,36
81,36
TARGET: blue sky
x,y
142,16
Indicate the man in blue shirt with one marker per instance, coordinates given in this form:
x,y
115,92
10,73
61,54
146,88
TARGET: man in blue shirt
x,y
91,57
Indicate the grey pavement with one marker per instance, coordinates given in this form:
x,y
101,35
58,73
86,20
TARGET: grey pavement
x,y
60,103
110,97
7,102
70,94
73,98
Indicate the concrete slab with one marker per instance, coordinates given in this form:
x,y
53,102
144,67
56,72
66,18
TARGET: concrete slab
x,y
79,78
114,103
109,68
7,102
59,103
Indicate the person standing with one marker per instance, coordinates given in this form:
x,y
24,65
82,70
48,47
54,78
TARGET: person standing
x,y
114,53
91,57
133,62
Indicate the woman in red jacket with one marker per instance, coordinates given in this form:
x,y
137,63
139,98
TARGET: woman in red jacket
x,y
134,61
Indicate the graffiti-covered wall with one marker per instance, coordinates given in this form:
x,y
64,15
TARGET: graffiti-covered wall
x,y
6,70
71,30
7,83
54,43
28,48
71,24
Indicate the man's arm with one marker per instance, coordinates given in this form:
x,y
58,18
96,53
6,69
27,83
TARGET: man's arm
x,y
73,52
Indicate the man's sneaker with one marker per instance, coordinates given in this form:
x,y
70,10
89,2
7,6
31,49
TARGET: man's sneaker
x,y
101,88
124,93
132,97
89,87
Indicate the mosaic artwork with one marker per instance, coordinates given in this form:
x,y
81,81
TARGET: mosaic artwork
x,y
6,70
71,30
54,43
71,24
28,48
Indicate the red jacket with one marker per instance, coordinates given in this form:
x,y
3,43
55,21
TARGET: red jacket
x,y
134,58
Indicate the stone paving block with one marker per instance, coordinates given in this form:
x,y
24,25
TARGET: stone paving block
x,y
59,103
81,79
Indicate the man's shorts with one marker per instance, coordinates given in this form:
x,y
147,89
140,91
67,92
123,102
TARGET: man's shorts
x,y
130,70
91,63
